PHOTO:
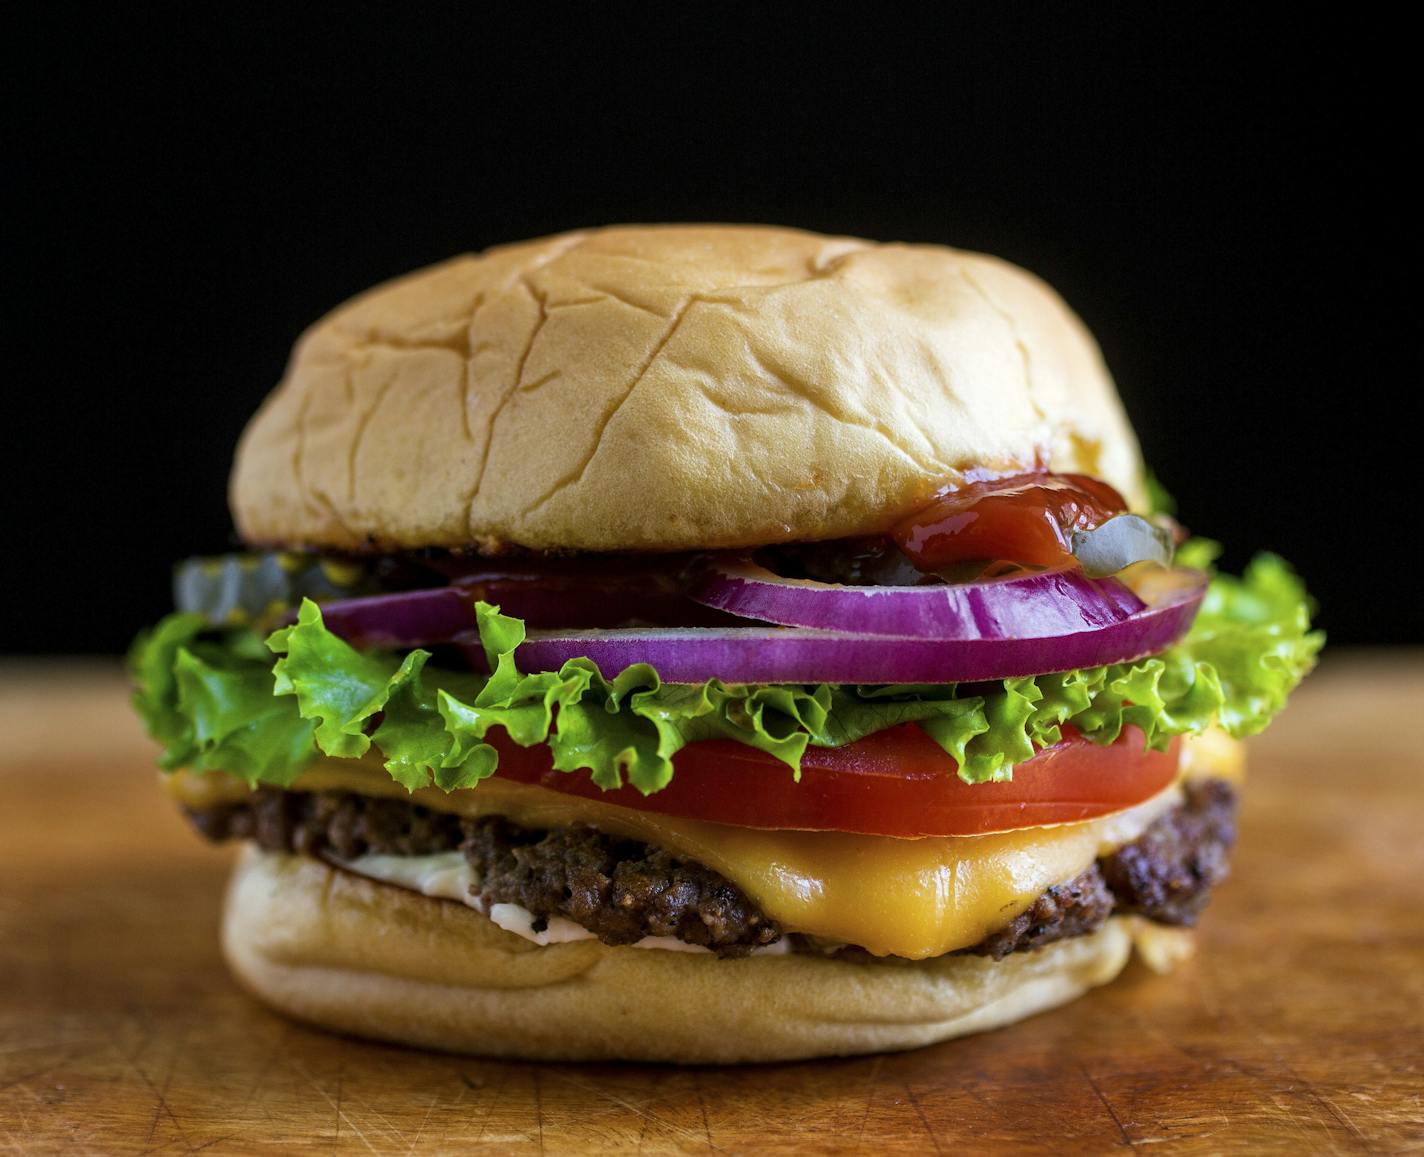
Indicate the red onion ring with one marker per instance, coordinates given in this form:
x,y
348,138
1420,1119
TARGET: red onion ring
x,y
423,617
800,655
401,619
1023,606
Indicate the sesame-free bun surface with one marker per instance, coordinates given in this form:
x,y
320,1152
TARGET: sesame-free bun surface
x,y
671,387
343,952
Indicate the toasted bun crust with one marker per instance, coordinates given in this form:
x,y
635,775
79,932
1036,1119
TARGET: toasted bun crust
x,y
674,387
345,953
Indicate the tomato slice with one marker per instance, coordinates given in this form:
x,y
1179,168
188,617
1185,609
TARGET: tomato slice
x,y
897,782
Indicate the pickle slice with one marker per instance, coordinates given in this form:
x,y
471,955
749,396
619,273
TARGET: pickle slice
x,y
1119,542
257,590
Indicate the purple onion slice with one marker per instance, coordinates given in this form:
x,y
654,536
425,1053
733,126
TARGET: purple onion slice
x,y
1023,606
420,618
801,655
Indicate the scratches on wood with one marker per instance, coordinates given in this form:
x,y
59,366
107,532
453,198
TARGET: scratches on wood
x,y
339,1116
424,1121
924,1121
33,1075
643,1116
871,1079
159,1106
702,1109
1316,1097
1108,1107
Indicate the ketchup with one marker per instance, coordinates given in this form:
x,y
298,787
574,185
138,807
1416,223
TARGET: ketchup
x,y
1028,519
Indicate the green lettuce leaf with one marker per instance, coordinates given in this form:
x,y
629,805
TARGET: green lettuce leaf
x,y
209,702
216,700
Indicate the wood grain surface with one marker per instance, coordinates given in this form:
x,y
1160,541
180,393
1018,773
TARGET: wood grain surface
x,y
1299,1028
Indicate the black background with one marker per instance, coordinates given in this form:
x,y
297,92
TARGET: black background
x,y
1217,195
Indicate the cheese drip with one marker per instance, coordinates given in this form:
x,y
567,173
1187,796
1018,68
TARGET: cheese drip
x,y
914,898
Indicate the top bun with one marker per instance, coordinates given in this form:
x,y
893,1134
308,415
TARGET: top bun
x,y
668,388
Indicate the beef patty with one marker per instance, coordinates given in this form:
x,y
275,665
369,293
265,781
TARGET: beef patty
x,y
622,890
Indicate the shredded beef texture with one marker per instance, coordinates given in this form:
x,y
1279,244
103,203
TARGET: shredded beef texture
x,y
342,824
623,890
1167,874
620,890
1065,910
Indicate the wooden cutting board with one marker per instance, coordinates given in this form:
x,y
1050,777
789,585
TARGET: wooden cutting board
x,y
1300,1028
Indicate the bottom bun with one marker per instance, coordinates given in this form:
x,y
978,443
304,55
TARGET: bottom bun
x,y
343,952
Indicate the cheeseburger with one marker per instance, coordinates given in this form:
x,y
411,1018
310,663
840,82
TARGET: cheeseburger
x,y
706,644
